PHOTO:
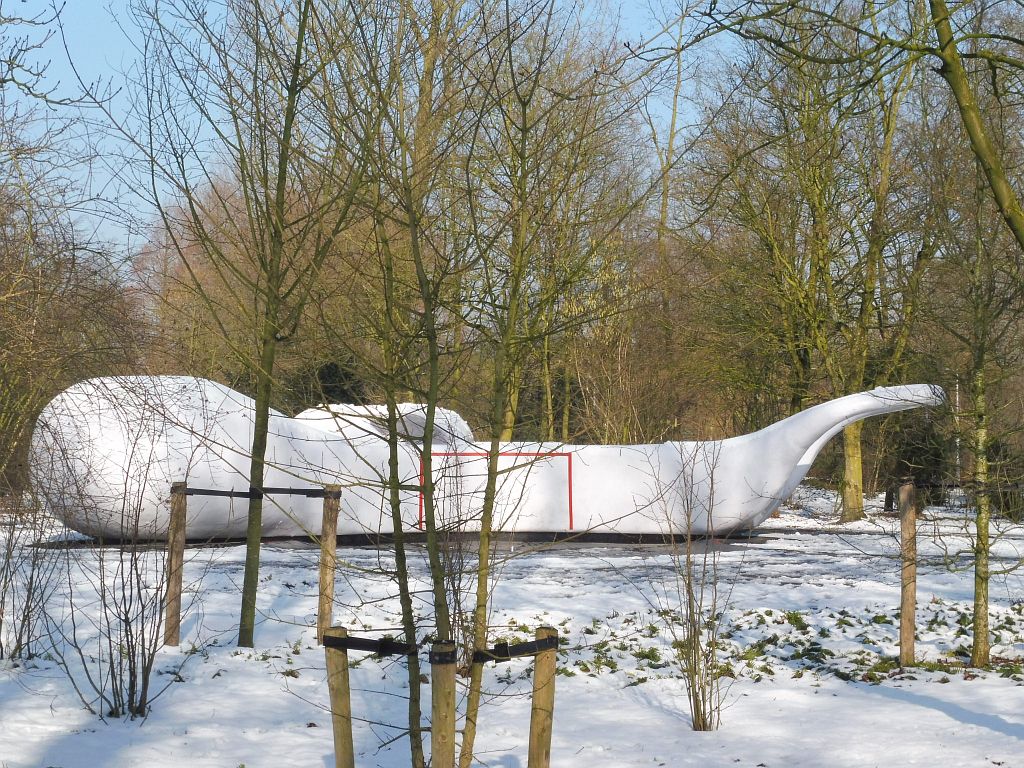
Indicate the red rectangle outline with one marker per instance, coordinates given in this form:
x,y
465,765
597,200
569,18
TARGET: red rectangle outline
x,y
485,454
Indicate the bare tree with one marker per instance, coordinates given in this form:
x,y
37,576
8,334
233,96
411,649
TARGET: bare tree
x,y
254,154
65,313
544,195
874,40
973,301
806,164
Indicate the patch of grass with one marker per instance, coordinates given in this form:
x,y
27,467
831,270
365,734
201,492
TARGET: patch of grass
x,y
758,648
797,621
652,655
814,652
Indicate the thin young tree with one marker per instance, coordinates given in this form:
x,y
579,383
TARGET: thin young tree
x,y
548,190
407,268
253,162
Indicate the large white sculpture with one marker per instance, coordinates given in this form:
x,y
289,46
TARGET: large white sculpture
x,y
105,452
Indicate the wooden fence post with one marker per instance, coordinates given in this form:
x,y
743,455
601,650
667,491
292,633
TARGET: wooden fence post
x,y
328,559
175,563
543,706
908,572
442,721
341,700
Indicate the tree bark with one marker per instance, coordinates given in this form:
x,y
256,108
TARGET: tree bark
x,y
953,72
981,649
257,465
549,394
853,474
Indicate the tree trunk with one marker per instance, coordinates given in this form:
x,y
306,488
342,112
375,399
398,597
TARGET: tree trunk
x,y
549,394
478,636
392,385
980,651
270,333
853,474
508,421
416,182
404,591
952,71
254,526
504,380
566,401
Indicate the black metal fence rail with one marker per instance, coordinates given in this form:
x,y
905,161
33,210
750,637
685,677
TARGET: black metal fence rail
x,y
390,647
381,647
259,493
506,652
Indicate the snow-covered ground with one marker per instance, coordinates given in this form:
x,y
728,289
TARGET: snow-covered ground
x,y
808,634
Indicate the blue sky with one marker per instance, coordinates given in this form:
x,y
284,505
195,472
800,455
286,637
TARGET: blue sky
x,y
97,36
99,47
94,41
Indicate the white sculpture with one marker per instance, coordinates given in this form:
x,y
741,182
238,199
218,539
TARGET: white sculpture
x,y
105,452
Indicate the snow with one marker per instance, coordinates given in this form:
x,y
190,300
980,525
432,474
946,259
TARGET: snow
x,y
808,631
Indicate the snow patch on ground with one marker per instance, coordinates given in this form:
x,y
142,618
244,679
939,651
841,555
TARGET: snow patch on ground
x,y
808,635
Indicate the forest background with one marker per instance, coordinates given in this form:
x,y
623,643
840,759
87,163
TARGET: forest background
x,y
636,224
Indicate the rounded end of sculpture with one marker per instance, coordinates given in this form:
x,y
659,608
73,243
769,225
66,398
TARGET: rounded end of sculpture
x,y
911,395
100,456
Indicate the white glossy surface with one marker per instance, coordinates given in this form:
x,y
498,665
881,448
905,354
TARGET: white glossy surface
x,y
105,452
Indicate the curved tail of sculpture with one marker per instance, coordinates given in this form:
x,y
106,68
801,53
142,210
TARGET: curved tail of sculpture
x,y
778,457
